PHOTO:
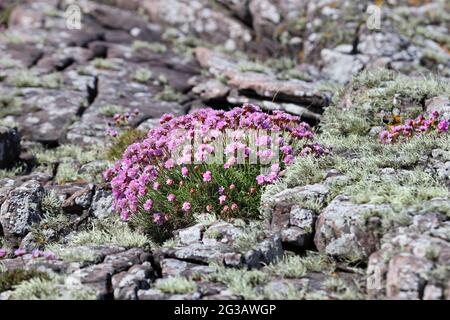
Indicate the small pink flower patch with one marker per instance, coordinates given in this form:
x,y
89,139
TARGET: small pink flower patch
x,y
186,206
222,199
171,197
184,172
207,176
148,205
19,252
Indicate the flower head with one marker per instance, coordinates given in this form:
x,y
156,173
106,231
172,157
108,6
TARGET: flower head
x,y
148,205
186,206
19,252
207,176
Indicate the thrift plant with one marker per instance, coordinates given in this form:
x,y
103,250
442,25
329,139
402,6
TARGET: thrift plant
x,y
420,125
208,161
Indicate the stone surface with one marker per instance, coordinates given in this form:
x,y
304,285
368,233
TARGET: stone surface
x,y
343,230
9,147
20,210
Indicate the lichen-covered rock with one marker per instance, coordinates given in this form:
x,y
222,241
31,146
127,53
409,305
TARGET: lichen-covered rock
x,y
345,230
102,203
9,147
20,210
412,262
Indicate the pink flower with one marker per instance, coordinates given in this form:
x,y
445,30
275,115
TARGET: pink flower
x,y
19,252
169,182
186,206
159,218
171,197
36,253
169,164
184,171
234,206
207,176
222,199
49,255
443,126
2,252
156,185
260,179
148,205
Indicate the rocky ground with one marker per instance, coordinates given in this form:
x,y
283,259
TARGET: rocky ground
x,y
365,223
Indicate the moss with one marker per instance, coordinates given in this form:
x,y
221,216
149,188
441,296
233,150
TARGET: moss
x,y
51,204
110,110
155,47
10,105
373,95
106,64
107,231
142,75
176,285
288,267
68,254
7,63
252,67
25,78
121,143
252,233
289,292
11,278
10,173
168,94
76,153
239,281
68,172
50,289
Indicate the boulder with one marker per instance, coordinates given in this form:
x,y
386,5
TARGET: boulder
x,y
9,147
20,210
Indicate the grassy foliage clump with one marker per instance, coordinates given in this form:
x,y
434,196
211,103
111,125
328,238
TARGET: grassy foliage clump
x,y
176,285
11,278
373,96
121,143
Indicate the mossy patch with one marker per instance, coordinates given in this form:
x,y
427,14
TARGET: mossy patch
x,y
11,278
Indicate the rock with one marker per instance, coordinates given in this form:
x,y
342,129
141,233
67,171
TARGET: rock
x,y
211,89
440,104
412,262
102,203
340,66
287,215
20,210
79,201
174,267
404,278
9,147
342,229
192,234
126,284
200,19
221,232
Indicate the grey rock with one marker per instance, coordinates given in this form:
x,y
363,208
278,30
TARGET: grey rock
x,y
192,234
9,147
126,284
342,229
21,209
102,203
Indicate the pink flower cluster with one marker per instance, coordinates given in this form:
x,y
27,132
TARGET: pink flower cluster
x,y
171,145
413,127
34,254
